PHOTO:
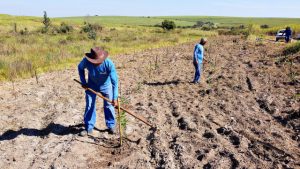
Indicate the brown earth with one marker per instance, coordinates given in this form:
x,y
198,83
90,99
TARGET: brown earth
x,y
244,114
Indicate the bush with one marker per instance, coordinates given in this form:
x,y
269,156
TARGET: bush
x,y
91,27
24,31
44,30
231,32
199,24
106,39
92,35
206,26
264,26
252,30
168,25
65,28
70,38
242,27
292,49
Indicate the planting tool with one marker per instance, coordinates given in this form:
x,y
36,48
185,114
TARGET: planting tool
x,y
127,111
119,115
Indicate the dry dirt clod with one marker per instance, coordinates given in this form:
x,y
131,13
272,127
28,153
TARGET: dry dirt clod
x,y
224,131
182,124
175,109
207,134
207,166
263,104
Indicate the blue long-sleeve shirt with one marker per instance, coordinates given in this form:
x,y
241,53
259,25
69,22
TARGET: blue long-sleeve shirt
x,y
198,53
288,32
99,77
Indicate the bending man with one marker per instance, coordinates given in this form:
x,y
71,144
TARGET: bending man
x,y
102,77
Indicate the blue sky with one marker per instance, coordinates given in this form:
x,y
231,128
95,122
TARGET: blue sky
x,y
56,8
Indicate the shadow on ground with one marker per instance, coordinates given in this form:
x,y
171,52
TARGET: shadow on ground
x,y
57,129
175,82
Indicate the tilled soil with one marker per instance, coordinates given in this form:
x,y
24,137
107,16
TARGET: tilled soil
x,y
245,113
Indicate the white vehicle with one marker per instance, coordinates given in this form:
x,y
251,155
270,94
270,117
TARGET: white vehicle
x,y
280,35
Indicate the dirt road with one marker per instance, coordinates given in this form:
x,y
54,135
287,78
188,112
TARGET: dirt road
x,y
244,114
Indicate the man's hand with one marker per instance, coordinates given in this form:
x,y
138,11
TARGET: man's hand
x,y
114,103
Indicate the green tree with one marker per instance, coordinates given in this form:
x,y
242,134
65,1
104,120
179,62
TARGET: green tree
x,y
46,22
168,25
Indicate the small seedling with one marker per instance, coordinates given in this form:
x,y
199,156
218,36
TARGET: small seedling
x,y
123,120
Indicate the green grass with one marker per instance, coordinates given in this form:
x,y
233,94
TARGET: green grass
x,y
22,55
235,21
120,20
292,48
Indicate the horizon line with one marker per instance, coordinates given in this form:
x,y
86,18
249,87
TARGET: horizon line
x,y
155,16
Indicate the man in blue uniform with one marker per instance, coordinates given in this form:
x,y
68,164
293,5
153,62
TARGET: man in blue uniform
x,y
288,34
198,59
102,77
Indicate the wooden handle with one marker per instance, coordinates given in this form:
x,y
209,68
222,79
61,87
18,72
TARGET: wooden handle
x,y
127,111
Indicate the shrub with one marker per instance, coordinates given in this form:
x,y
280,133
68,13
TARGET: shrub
x,y
113,29
91,27
24,31
205,25
65,28
209,26
264,26
252,30
199,24
106,39
231,32
92,35
242,27
168,25
292,49
70,38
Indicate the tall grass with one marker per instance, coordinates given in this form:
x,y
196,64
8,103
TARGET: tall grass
x,y
23,55
275,29
292,48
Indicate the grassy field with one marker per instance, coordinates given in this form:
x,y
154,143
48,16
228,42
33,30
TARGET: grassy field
x,y
122,20
235,21
25,54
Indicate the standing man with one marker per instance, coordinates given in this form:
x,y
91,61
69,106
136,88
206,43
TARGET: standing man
x,y
288,34
198,59
102,77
